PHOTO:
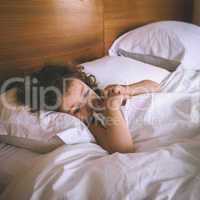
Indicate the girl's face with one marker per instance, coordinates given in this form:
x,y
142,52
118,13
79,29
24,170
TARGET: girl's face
x,y
78,99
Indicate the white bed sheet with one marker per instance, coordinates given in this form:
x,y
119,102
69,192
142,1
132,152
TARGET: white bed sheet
x,y
12,161
165,166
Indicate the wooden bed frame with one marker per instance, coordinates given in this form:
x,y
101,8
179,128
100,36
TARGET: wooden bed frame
x,y
39,31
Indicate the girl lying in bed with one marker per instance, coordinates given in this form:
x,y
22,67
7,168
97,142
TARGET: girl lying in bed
x,y
68,89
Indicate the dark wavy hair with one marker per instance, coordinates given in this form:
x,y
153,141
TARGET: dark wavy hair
x,y
50,76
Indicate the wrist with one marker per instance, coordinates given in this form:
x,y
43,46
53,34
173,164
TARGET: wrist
x,y
130,90
112,112
114,103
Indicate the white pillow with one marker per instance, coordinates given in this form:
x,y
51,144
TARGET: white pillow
x,y
168,39
122,70
189,35
151,39
21,128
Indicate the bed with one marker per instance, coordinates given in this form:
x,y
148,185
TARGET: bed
x,y
13,160
165,126
165,166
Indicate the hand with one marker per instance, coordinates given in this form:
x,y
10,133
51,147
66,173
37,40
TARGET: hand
x,y
113,90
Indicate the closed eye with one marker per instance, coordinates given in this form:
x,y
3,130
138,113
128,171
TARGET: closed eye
x,y
86,93
77,110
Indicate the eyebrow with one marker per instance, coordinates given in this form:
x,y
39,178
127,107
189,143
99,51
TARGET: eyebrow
x,y
82,90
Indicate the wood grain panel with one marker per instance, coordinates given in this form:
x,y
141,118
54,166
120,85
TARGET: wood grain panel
x,y
123,15
196,14
35,31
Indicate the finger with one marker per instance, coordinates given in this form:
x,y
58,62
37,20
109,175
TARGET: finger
x,y
118,90
105,93
109,87
110,92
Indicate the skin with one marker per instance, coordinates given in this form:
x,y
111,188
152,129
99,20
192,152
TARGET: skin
x,y
114,136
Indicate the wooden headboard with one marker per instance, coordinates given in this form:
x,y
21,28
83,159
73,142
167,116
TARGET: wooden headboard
x,y
196,13
34,32
38,31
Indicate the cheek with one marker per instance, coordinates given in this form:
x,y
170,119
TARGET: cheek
x,y
84,113
78,115
81,116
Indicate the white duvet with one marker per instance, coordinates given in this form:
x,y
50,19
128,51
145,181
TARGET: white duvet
x,y
166,131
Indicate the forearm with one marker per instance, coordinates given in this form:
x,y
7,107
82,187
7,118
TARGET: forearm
x,y
117,133
142,87
138,88
115,137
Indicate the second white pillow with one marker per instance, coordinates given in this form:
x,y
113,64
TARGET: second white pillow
x,y
122,70
155,39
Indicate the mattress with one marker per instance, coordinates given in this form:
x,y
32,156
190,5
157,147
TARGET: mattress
x,y
13,160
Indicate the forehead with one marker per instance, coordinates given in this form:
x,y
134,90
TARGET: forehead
x,y
72,95
74,86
